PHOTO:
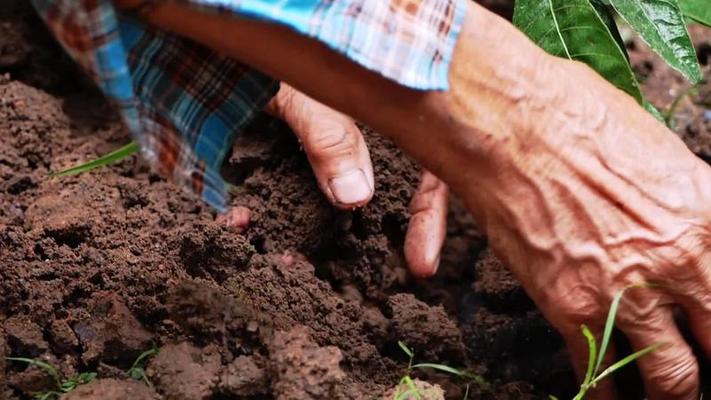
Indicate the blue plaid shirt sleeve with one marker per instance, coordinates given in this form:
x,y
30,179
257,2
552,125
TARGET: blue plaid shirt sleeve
x,y
183,103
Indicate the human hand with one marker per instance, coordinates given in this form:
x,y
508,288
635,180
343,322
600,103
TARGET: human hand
x,y
596,197
341,163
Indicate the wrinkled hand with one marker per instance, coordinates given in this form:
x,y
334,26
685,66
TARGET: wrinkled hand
x,y
341,163
599,196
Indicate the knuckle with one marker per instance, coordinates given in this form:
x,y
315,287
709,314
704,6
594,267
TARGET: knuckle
x,y
329,142
577,307
676,380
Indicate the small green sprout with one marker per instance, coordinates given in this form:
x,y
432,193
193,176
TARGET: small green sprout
x,y
62,386
412,390
110,158
138,369
670,113
593,376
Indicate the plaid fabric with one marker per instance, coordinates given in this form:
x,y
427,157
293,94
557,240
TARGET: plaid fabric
x,y
184,103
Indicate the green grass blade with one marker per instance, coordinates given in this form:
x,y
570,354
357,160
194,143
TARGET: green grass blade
x,y
440,367
113,157
49,368
405,349
661,24
625,361
609,324
592,354
144,356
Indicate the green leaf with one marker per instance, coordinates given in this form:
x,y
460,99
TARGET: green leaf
x,y
68,386
698,10
136,373
574,29
607,15
46,395
661,24
113,157
405,349
655,112
440,367
86,377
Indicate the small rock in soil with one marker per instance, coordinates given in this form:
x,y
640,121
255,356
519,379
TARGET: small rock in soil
x,y
426,329
244,377
184,372
213,251
303,369
113,335
64,217
25,337
204,312
62,337
425,391
32,380
112,389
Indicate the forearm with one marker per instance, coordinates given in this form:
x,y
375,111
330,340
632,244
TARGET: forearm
x,y
494,69
512,115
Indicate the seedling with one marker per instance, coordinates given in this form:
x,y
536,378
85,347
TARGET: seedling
x,y
593,376
413,391
138,369
62,385
671,111
115,156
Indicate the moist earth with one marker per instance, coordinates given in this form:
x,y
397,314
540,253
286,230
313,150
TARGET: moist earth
x,y
308,302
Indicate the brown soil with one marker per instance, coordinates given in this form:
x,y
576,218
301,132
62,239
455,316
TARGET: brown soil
x,y
309,302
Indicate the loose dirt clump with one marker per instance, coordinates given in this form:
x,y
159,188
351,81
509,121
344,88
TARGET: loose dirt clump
x,y
307,302
112,389
110,333
425,390
245,376
303,369
184,372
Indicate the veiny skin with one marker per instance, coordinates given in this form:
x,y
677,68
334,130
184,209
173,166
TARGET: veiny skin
x,y
579,190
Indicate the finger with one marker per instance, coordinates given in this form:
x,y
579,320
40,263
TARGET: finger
x,y
699,319
236,218
695,298
334,146
670,372
579,350
428,226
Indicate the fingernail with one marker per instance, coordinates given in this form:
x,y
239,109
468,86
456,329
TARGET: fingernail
x,y
435,266
237,218
351,188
